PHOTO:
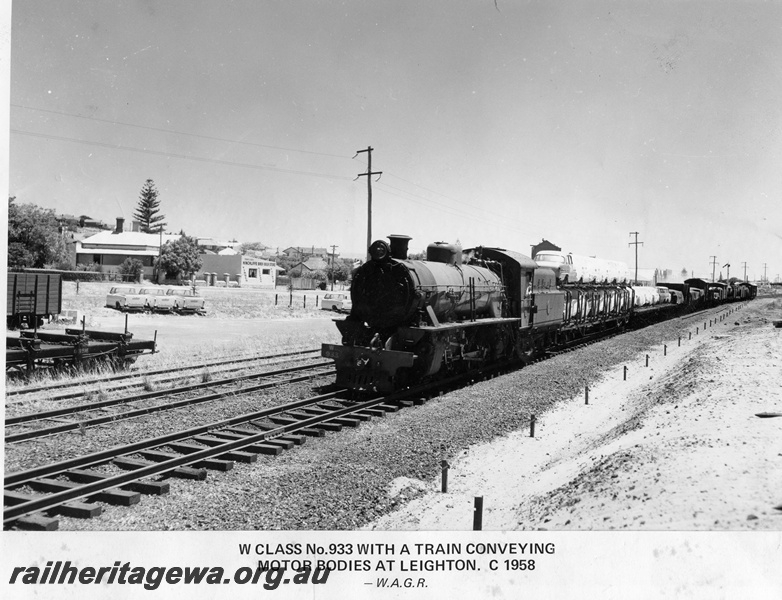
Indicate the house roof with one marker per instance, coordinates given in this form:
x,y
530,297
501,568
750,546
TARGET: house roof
x,y
135,239
119,251
208,241
305,250
313,264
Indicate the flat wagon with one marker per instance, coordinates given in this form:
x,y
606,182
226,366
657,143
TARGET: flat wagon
x,y
73,348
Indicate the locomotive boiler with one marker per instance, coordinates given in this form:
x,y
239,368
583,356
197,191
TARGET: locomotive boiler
x,y
414,318
390,290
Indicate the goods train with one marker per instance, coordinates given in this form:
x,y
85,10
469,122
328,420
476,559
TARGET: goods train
x,y
458,310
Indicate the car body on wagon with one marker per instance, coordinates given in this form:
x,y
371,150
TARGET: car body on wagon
x,y
126,298
336,301
186,300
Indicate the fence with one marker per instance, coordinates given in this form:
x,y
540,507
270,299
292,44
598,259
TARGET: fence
x,y
83,275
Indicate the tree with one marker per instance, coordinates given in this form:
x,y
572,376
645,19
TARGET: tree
x,y
339,270
131,269
247,247
684,273
180,259
148,209
34,239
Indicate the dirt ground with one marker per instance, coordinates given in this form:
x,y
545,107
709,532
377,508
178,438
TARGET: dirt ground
x,y
676,446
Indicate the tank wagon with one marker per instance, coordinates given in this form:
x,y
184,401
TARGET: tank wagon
x,y
413,320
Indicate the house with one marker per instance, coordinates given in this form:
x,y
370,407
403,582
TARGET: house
x,y
86,221
311,264
215,245
302,253
544,245
109,249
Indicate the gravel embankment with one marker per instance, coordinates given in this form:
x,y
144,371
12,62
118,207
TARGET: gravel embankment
x,y
342,481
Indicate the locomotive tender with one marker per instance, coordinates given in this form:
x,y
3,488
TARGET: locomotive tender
x,y
414,320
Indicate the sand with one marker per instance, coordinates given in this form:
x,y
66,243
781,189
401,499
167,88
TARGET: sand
x,y
675,446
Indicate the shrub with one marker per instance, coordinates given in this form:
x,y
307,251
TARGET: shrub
x,y
131,269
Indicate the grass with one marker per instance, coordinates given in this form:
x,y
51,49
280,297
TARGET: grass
x,y
221,303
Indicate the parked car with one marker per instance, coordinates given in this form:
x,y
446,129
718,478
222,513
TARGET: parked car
x,y
157,300
125,298
186,300
337,302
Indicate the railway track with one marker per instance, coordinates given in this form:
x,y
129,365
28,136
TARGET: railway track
x,y
144,376
35,425
35,497
121,475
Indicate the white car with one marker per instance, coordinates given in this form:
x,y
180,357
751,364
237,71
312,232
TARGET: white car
x,y
337,302
186,300
157,300
125,298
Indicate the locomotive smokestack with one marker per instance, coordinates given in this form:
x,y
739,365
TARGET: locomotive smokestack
x,y
399,246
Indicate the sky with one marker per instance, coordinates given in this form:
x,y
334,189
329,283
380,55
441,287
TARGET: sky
x,y
493,123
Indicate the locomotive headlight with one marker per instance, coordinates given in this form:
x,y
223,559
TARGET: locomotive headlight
x,y
379,250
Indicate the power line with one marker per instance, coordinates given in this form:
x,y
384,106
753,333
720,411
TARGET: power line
x,y
181,156
471,216
198,135
445,205
232,141
448,208
442,207
470,205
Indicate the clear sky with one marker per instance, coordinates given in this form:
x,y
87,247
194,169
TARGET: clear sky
x,y
493,123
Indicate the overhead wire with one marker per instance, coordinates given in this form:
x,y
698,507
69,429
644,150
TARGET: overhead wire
x,y
181,156
163,130
449,208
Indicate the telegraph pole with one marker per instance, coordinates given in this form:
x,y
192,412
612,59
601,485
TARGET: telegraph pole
x,y
159,252
745,270
368,175
728,266
333,247
713,266
635,243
